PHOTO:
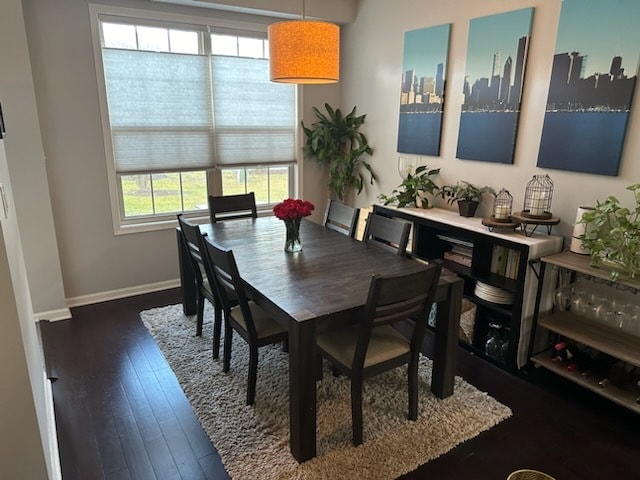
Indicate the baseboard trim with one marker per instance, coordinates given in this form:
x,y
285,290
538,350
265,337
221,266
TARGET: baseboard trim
x,y
53,315
121,293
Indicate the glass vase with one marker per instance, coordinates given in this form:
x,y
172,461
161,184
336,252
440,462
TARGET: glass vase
x,y
292,241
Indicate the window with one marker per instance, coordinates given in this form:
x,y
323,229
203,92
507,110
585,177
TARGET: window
x,y
189,111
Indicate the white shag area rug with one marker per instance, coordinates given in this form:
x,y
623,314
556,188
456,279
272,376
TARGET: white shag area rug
x,y
253,441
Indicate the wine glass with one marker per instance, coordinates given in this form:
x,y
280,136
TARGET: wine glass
x,y
562,298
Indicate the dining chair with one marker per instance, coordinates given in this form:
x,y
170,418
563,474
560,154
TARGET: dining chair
x,y
389,233
191,242
373,345
250,321
230,207
341,218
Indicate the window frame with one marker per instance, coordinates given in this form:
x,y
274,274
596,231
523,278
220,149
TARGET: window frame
x,y
143,223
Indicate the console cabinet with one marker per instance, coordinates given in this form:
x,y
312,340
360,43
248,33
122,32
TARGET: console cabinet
x,y
497,269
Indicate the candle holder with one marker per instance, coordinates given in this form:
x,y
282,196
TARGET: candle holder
x,y
537,198
502,207
501,216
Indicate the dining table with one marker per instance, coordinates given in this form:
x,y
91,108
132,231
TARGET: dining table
x,y
321,287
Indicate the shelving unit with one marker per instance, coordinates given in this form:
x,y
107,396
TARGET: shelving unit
x,y
437,231
605,339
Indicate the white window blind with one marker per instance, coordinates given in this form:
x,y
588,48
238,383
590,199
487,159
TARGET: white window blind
x,y
177,112
159,110
255,120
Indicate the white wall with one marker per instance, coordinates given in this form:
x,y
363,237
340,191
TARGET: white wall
x,y
27,163
23,415
372,66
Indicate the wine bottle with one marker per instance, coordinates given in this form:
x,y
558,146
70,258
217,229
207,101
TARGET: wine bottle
x,y
620,374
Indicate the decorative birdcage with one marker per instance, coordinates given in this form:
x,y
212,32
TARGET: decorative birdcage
x,y
502,207
537,197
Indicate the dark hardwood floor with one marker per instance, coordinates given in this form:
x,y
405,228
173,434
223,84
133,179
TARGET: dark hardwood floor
x,y
122,415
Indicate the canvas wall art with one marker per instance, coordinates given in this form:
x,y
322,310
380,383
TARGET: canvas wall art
x,y
495,68
592,83
424,66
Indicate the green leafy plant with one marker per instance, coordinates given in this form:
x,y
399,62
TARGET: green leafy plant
x,y
411,192
612,235
335,140
464,191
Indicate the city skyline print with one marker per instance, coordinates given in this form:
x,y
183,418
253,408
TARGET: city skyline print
x,y
422,84
496,61
592,82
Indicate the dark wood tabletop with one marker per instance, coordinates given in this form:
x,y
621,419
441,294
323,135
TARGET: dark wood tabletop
x,y
325,284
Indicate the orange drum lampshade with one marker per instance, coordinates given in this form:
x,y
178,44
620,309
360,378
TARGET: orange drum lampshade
x,y
304,51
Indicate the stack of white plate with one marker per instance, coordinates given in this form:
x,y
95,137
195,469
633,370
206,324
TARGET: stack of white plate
x,y
493,294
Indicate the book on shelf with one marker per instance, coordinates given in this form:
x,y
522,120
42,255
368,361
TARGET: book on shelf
x,y
513,259
466,251
505,261
458,258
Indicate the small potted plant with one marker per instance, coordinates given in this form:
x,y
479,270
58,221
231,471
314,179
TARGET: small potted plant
x,y
414,190
613,235
466,194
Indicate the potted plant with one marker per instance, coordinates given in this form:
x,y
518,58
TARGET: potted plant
x,y
466,194
612,235
413,189
335,140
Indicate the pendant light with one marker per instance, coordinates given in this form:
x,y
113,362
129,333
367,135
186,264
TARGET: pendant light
x,y
304,51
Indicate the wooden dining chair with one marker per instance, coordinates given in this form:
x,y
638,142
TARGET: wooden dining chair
x,y
205,290
250,321
230,207
373,345
341,218
389,233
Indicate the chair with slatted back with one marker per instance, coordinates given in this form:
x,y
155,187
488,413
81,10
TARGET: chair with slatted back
x,y
389,233
250,321
341,218
191,237
230,207
373,345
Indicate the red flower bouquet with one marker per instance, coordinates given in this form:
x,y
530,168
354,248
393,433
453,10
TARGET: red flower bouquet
x,y
291,211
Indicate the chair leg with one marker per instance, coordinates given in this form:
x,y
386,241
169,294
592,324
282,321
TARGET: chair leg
x,y
217,327
253,375
412,381
356,410
319,367
200,317
228,332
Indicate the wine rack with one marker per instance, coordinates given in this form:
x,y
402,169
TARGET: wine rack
x,y
610,341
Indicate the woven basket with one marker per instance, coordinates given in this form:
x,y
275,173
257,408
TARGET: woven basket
x,y
467,320
529,475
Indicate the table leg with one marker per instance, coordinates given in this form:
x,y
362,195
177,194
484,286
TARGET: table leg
x,y
187,279
302,390
446,341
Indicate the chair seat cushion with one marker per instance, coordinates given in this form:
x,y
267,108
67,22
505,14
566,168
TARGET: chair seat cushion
x,y
385,343
265,325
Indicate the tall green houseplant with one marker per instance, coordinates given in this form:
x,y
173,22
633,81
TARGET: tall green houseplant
x,y
335,140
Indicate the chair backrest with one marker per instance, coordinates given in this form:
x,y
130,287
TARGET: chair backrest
x,y
220,264
389,233
341,218
230,207
190,234
395,298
